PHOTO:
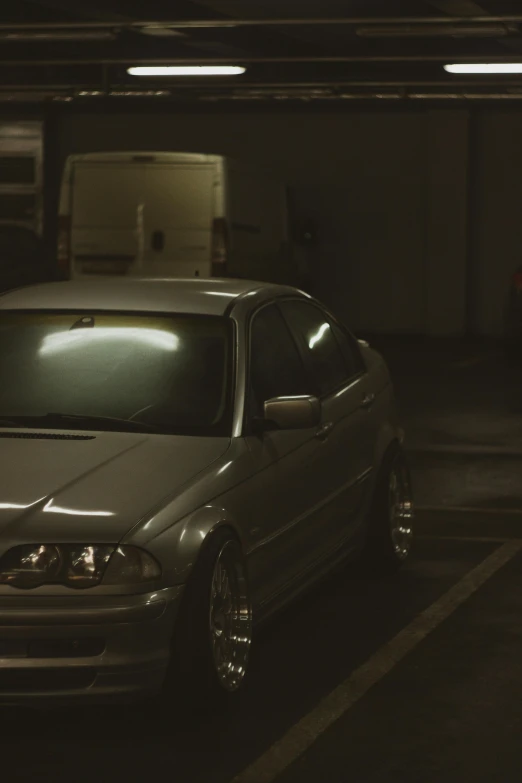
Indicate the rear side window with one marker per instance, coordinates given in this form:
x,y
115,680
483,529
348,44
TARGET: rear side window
x,y
276,367
315,333
350,350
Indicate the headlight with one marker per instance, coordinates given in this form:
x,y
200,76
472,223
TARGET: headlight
x,y
76,565
130,566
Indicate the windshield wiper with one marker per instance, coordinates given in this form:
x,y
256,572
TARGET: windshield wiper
x,y
110,423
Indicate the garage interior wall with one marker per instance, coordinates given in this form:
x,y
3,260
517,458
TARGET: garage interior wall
x,y
497,225
388,192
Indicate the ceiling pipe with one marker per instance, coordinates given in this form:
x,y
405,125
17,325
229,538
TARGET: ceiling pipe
x,y
240,60
183,86
42,94
290,22
56,36
467,96
376,96
436,31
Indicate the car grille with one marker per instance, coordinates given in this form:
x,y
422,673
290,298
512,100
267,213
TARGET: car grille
x,y
51,648
41,680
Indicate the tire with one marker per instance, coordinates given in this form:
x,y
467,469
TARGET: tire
x,y
213,631
390,524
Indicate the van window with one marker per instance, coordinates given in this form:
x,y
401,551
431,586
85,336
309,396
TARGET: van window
x,y
17,170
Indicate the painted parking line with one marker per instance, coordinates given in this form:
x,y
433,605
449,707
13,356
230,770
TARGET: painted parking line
x,y
472,360
469,539
479,452
470,510
306,731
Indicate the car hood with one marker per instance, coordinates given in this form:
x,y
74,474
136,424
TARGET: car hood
x,y
91,487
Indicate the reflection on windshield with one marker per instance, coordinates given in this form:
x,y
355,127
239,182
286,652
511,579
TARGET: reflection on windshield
x,y
172,373
155,338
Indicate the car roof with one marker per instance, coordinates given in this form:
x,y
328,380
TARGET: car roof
x,y
195,295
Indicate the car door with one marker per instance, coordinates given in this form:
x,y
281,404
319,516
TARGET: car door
x,y
283,493
178,214
347,434
107,205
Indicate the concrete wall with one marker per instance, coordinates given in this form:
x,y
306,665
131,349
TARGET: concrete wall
x,y
388,191
447,251
497,224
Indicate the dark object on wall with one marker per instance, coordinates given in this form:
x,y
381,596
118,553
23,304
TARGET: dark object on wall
x,y
305,232
158,241
513,313
22,257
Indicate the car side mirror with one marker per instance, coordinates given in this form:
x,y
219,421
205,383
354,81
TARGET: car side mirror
x,y
292,413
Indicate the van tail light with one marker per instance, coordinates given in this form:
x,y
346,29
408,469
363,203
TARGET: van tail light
x,y
64,245
219,247
517,281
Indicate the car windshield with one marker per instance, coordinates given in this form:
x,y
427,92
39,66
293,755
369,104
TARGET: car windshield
x,y
99,371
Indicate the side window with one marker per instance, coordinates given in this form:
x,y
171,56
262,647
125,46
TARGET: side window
x,y
350,351
315,333
276,367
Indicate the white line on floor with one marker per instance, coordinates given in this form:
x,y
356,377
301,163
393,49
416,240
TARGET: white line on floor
x,y
472,360
470,510
459,450
481,539
305,732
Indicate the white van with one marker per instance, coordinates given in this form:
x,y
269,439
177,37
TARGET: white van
x,y
171,214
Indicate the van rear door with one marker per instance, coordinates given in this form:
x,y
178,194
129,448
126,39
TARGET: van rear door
x,y
178,216
107,209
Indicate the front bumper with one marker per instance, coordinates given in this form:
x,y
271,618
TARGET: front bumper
x,y
55,649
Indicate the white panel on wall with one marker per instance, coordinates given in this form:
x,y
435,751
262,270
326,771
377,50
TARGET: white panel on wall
x,y
21,174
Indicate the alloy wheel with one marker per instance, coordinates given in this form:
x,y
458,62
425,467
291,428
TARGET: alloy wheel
x,y
230,618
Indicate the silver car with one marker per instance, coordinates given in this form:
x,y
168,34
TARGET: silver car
x,y
179,459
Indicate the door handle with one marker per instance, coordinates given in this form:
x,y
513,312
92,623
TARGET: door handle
x,y
158,241
368,401
324,431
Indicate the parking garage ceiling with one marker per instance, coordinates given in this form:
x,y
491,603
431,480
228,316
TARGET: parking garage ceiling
x,y
311,50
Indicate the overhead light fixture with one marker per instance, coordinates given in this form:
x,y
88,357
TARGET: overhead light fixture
x,y
473,96
436,31
58,35
140,93
186,70
122,93
489,68
30,96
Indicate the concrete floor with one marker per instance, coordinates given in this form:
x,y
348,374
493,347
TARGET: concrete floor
x,y
440,644
461,404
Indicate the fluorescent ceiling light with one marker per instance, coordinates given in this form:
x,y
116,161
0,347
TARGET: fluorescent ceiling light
x,y
186,70
484,68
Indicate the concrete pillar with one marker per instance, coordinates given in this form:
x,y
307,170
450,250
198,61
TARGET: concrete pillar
x,y
447,157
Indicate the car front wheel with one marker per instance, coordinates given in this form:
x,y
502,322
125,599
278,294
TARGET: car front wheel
x,y
214,629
